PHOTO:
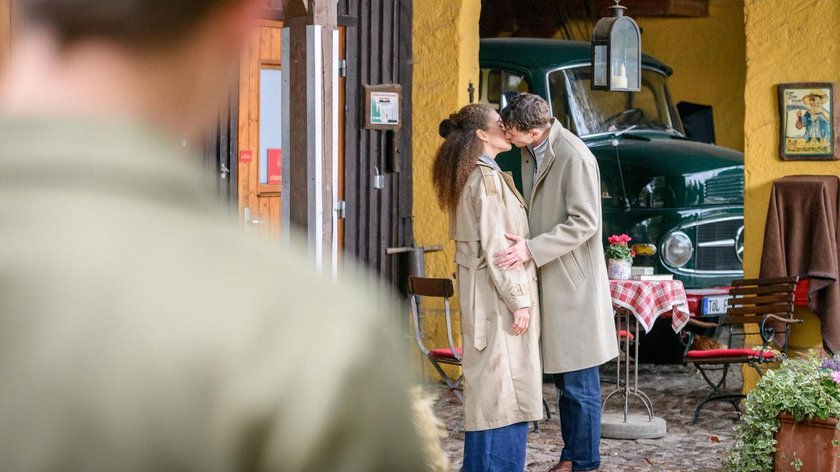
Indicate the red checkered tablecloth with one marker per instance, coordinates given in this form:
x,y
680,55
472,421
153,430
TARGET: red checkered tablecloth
x,y
647,300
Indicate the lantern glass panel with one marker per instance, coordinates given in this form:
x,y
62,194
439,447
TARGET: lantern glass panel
x,y
624,56
600,65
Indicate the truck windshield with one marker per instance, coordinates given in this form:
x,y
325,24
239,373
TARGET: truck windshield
x,y
588,112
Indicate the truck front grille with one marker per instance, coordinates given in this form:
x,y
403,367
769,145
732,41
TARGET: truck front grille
x,y
725,188
720,245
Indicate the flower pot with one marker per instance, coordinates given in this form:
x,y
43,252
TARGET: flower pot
x,y
619,269
806,443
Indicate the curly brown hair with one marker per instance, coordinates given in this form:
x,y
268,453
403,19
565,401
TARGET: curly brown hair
x,y
458,155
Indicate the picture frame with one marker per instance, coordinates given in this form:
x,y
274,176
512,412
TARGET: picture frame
x,y
808,126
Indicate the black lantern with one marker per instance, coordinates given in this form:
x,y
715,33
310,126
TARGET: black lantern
x,y
617,53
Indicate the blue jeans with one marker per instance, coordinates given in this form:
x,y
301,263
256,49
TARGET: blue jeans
x,y
579,406
496,450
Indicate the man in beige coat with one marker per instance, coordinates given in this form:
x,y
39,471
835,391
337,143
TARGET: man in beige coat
x,y
138,330
562,186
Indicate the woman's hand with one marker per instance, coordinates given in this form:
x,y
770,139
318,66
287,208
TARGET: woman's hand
x,y
521,321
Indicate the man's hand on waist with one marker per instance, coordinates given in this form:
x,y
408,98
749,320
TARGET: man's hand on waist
x,y
514,256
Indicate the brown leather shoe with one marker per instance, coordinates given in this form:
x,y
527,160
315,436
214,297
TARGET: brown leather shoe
x,y
562,466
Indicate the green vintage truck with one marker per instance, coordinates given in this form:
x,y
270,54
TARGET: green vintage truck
x,y
683,197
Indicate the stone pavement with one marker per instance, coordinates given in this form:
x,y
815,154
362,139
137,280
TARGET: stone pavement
x,y
674,391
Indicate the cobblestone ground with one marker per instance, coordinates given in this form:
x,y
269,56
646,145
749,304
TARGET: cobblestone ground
x,y
674,391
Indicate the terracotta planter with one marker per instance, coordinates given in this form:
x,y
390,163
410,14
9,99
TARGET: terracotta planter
x,y
619,269
808,441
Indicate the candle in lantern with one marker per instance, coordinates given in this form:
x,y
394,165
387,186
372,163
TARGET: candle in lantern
x,y
619,81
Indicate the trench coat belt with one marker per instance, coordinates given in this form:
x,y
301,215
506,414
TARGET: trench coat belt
x,y
479,319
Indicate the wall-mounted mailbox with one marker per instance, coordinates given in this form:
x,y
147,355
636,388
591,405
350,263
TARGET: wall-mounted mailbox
x,y
382,106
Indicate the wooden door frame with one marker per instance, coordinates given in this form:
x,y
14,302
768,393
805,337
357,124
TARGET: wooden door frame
x,y
263,50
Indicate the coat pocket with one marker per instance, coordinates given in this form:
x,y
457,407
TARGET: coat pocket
x,y
573,270
477,279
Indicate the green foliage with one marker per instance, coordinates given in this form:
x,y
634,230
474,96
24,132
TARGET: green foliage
x,y
802,387
617,251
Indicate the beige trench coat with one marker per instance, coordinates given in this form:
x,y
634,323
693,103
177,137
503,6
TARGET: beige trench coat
x,y
503,379
578,329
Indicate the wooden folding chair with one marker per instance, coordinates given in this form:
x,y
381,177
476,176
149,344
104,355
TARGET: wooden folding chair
x,y
767,303
441,289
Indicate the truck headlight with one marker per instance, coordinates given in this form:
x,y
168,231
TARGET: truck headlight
x,y
677,249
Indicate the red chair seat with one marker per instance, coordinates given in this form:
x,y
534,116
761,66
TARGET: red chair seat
x,y
697,354
444,353
623,333
800,297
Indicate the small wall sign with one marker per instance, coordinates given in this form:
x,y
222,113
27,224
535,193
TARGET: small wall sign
x,y
382,106
275,166
246,156
808,126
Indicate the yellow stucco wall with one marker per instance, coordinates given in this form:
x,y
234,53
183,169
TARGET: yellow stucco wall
x,y
789,57
707,55
445,61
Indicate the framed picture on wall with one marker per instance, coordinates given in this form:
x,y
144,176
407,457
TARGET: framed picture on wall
x,y
808,125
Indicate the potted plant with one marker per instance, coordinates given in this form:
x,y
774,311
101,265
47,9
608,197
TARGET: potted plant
x,y
619,257
803,397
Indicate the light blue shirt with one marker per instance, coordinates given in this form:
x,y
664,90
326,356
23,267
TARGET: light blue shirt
x,y
489,161
538,152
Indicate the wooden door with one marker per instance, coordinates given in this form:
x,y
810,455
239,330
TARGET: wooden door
x,y
260,129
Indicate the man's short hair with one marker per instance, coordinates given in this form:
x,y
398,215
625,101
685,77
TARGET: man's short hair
x,y
129,22
527,111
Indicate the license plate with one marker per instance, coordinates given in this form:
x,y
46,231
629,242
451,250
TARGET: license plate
x,y
713,306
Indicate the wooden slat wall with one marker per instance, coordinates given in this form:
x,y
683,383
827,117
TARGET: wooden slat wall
x,y
378,51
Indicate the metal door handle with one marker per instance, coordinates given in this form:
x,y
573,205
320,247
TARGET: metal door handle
x,y
246,215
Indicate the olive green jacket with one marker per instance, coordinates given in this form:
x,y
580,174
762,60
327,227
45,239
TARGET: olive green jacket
x,y
140,332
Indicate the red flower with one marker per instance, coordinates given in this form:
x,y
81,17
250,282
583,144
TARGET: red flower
x,y
619,239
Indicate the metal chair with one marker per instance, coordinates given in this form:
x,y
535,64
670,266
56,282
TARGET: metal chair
x,y
441,289
767,303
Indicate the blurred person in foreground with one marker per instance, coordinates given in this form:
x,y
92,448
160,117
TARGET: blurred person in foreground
x,y
562,186
500,321
139,330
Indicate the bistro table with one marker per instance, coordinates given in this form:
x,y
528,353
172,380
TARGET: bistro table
x,y
645,301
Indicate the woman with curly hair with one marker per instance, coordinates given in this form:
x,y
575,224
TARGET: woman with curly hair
x,y
499,308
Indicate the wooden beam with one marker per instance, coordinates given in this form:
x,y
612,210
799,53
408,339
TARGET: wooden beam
x,y
312,125
644,8
295,8
323,12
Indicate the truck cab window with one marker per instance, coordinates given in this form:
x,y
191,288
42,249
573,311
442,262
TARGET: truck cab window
x,y
493,83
